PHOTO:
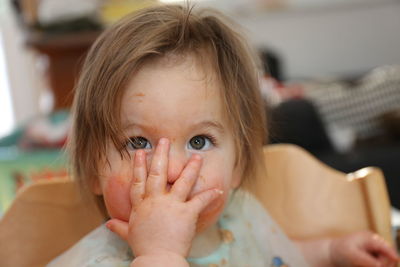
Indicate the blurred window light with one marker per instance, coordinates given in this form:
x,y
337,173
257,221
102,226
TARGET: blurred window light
x,y
6,113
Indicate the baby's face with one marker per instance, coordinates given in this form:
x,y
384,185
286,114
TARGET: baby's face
x,y
180,101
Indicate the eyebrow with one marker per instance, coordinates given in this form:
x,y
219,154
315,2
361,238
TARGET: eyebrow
x,y
210,124
203,124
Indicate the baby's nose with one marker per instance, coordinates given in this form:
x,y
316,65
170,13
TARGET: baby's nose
x,y
176,163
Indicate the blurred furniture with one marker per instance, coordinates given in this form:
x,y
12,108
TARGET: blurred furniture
x,y
44,220
298,122
63,41
65,53
311,200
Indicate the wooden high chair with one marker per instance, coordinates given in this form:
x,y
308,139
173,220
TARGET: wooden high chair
x,y
307,198
45,219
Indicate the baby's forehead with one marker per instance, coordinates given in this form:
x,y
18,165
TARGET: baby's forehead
x,y
185,68
172,86
200,59
194,66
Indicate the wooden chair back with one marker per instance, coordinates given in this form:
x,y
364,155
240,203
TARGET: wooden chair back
x,y
310,200
45,219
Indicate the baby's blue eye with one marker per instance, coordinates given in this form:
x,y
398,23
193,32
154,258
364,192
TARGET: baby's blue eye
x,y
138,142
200,142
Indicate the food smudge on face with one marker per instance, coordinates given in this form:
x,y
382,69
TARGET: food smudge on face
x,y
201,178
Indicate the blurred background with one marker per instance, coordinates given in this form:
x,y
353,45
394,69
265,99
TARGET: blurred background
x,y
332,78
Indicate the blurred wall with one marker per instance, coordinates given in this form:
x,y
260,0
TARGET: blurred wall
x,y
342,40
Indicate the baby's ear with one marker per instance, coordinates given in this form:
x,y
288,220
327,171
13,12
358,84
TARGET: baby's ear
x,y
95,187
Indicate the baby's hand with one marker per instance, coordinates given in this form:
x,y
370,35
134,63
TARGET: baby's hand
x,y
362,249
162,221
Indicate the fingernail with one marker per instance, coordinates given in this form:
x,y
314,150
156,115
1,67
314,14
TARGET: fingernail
x,y
108,225
163,141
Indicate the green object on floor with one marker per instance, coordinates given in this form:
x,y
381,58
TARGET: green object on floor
x,y
18,166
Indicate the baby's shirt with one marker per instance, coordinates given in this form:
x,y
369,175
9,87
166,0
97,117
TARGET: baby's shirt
x,y
249,238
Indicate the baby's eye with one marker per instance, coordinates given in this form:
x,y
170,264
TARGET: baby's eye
x,y
200,142
138,142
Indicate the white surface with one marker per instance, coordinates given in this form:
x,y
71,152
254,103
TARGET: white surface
x,y
51,11
6,114
395,217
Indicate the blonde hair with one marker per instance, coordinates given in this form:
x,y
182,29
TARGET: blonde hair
x,y
153,33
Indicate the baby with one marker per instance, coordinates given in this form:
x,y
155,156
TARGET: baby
x,y
168,124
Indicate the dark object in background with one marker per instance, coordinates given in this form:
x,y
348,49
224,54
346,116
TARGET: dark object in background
x,y
297,122
73,25
272,64
391,122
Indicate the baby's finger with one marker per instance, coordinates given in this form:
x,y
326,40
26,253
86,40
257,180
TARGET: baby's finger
x,y
119,227
378,245
203,199
189,175
364,259
139,178
157,179
386,262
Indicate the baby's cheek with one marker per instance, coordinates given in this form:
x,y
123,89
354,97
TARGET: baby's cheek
x,y
117,199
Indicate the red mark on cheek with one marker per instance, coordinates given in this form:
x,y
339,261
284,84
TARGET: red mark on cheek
x,y
139,94
117,199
